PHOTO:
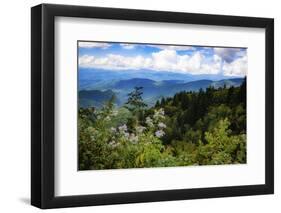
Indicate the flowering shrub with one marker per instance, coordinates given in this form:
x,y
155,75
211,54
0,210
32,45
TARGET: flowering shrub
x,y
104,146
131,137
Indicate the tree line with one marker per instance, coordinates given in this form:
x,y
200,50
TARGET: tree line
x,y
205,127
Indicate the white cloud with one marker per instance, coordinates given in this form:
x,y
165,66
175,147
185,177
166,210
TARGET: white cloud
x,y
86,60
229,54
128,46
160,47
164,60
237,67
114,62
101,45
172,47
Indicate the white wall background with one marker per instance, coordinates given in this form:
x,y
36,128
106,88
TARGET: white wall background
x,y
15,105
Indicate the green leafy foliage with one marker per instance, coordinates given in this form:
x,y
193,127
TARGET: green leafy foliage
x,y
207,127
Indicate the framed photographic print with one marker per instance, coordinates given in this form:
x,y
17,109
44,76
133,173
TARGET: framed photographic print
x,y
139,106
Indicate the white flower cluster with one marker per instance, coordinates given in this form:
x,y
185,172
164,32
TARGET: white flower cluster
x,y
123,128
154,125
140,129
162,125
159,133
159,114
113,143
107,116
149,122
156,122
133,138
127,135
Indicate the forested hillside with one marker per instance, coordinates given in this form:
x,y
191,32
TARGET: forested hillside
x,y
152,90
205,127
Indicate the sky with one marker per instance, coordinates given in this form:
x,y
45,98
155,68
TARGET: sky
x,y
193,60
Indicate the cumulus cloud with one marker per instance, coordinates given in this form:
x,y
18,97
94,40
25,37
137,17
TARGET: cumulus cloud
x,y
102,45
114,62
172,47
128,46
164,60
229,54
160,47
238,67
208,60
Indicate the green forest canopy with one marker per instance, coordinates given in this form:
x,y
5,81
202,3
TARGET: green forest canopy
x,y
207,127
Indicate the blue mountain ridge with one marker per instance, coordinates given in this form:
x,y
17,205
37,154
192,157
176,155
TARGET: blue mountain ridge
x,y
152,90
90,78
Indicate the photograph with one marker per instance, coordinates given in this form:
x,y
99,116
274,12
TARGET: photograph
x,y
160,105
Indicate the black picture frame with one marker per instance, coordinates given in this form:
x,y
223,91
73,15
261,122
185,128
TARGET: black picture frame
x,y
43,102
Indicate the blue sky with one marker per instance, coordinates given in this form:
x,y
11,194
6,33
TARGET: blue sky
x,y
172,58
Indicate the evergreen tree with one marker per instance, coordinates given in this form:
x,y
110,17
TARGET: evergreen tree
x,y
135,102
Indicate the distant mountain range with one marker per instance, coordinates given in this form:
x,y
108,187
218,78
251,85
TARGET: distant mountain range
x,y
90,79
152,89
